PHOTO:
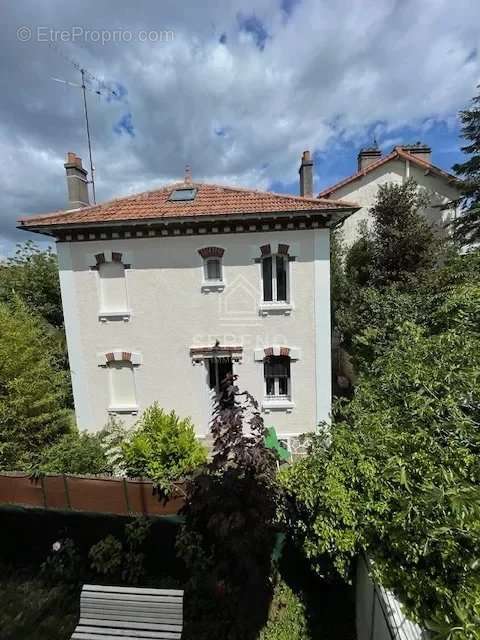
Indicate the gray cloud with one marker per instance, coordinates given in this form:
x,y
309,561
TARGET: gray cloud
x,y
238,106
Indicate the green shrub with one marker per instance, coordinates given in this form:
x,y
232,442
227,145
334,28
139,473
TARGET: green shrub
x,y
109,557
287,617
106,556
63,564
163,447
136,533
114,435
80,453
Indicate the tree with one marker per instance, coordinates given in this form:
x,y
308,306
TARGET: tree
x,y
403,243
467,226
230,517
32,276
384,268
399,476
359,261
33,391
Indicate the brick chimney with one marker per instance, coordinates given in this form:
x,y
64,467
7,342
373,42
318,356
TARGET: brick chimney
x,y
77,183
306,175
368,156
420,150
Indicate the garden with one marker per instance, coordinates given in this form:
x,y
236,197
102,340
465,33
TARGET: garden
x,y
266,550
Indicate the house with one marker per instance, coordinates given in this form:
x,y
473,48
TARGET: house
x,y
165,292
407,161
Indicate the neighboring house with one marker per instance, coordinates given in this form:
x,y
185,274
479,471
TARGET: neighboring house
x,y
408,161
167,291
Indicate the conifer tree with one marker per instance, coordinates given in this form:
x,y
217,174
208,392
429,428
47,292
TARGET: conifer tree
x,y
467,226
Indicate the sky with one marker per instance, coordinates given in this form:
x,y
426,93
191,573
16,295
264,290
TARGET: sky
x,y
237,90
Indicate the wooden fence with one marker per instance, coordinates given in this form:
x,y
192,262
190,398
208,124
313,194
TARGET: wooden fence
x,y
94,494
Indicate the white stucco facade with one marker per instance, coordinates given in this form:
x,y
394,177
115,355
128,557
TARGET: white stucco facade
x,y
168,312
363,191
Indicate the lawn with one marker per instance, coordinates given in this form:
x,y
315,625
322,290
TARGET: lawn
x,y
34,611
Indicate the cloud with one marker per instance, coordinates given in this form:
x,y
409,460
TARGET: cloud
x,y
238,92
125,125
255,28
288,6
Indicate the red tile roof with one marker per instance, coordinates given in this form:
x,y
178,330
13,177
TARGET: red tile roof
x,y
210,200
398,152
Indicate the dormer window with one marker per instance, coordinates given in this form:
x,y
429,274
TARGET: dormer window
x,y
181,195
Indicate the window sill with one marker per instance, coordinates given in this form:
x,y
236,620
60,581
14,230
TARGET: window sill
x,y
277,404
266,308
104,316
133,409
213,286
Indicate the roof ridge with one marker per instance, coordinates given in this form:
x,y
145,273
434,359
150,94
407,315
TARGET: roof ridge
x,y
397,151
92,208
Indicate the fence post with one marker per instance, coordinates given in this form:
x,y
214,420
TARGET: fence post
x,y
125,491
42,482
67,495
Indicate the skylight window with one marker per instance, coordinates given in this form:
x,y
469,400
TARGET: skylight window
x,y
183,194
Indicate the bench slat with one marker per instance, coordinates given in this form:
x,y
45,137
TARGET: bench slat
x,y
129,613
134,610
136,633
98,615
133,590
101,636
130,597
102,613
132,606
122,624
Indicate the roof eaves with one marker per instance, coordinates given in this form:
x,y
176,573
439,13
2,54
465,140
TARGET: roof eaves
x,y
328,214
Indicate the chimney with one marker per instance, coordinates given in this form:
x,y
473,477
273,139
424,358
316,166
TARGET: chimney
x,y
306,175
77,183
420,150
368,156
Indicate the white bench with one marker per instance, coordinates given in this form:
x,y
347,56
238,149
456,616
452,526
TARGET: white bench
x,y
127,613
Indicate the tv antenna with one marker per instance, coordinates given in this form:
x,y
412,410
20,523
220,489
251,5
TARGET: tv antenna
x,y
102,89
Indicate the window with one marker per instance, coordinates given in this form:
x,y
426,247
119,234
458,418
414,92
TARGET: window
x,y
213,269
277,376
275,278
218,369
122,385
180,195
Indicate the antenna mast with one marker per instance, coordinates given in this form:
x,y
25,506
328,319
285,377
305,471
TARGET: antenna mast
x,y
101,89
92,170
